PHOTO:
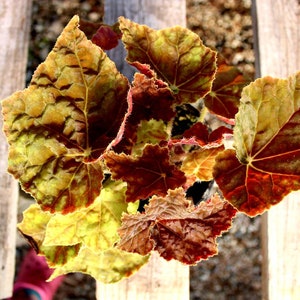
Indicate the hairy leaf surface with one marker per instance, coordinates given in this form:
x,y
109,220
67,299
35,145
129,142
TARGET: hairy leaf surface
x,y
266,164
147,175
176,54
59,126
176,228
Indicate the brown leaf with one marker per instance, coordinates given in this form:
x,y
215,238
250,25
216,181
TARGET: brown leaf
x,y
176,228
147,175
224,98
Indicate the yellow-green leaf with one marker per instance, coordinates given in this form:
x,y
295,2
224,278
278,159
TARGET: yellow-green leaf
x,y
34,224
95,226
107,266
150,132
87,238
176,54
60,125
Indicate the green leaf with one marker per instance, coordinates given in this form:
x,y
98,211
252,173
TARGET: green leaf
x,y
106,266
81,241
62,123
266,164
176,54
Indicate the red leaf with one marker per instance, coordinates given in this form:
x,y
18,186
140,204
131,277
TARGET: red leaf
x,y
176,228
202,135
150,100
89,28
226,91
199,131
150,174
251,188
266,164
218,134
106,37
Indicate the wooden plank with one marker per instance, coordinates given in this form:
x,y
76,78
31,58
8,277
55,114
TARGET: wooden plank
x,y
278,25
159,279
156,14
14,19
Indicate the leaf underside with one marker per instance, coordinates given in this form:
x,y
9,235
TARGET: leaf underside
x,y
224,98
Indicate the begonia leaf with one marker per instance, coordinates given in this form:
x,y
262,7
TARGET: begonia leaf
x,y
33,227
95,226
149,101
57,256
150,132
107,266
266,164
197,162
176,54
200,162
201,133
225,95
177,229
198,130
34,224
59,126
146,175
107,37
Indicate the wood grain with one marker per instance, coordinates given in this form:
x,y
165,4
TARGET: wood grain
x,y
15,20
278,36
159,279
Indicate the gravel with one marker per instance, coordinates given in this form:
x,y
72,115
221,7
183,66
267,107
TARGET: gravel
x,y
225,25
